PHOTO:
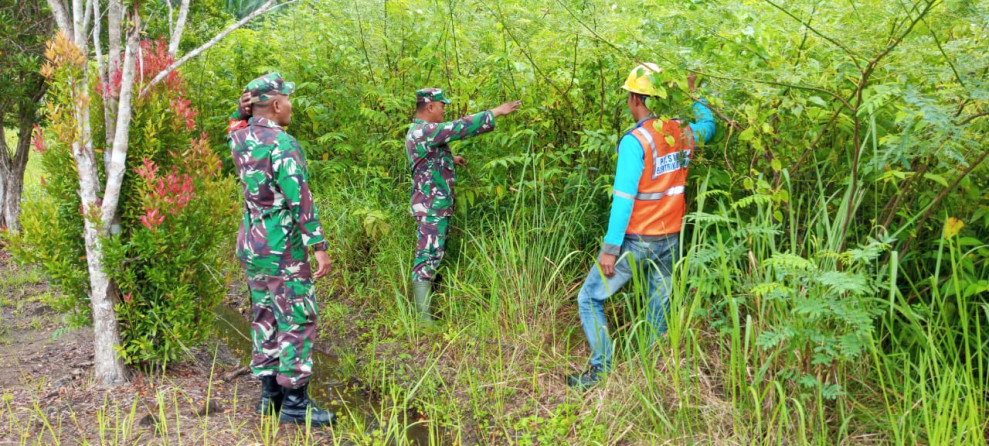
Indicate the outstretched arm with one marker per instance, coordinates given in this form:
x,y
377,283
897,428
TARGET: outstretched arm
x,y
703,125
439,133
463,128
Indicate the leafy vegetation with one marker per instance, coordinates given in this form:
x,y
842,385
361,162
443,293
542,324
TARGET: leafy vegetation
x,y
23,33
163,258
831,286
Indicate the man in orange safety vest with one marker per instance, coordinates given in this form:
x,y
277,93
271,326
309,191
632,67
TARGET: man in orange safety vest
x,y
646,214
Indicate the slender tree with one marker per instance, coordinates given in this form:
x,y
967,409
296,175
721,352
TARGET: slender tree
x,y
24,29
79,20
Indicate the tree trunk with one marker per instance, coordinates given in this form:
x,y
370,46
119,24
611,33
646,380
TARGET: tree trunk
x,y
12,166
61,13
3,197
99,214
5,172
13,187
176,37
12,174
109,369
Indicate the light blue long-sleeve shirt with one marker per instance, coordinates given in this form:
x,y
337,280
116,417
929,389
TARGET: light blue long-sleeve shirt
x,y
631,162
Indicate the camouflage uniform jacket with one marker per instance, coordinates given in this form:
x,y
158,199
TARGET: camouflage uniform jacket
x,y
431,161
280,219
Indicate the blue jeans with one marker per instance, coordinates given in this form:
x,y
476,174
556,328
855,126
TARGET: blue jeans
x,y
651,263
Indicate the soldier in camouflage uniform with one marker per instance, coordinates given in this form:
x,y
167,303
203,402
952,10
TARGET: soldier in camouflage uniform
x,y
432,165
280,223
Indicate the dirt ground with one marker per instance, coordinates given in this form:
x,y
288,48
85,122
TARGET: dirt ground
x,y
47,394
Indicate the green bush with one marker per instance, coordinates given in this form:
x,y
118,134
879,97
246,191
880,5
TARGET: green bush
x,y
177,217
838,156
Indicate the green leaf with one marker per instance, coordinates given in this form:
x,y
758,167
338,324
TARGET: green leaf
x,y
936,178
746,134
791,262
783,195
661,91
841,282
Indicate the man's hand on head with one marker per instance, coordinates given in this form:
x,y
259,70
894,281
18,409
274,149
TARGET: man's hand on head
x,y
244,106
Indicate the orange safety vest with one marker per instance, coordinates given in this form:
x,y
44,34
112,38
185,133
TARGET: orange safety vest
x,y
659,204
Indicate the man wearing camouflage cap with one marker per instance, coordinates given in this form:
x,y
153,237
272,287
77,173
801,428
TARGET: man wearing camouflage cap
x,y
432,165
280,223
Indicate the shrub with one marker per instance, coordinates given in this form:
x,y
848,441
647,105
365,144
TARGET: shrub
x,y
177,217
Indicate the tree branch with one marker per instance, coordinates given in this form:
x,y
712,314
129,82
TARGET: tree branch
x,y
563,94
171,23
114,27
889,211
176,37
61,13
971,118
854,56
896,42
863,82
813,145
267,7
78,25
87,16
100,68
118,156
947,59
944,193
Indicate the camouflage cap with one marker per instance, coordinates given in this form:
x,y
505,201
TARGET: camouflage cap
x,y
268,86
427,95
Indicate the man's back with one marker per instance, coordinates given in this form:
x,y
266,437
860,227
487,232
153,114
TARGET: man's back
x,y
279,215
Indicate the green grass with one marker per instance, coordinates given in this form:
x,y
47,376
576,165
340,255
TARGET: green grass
x,y
780,333
777,335
168,416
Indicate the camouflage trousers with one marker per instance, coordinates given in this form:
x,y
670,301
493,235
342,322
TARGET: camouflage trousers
x,y
284,327
430,247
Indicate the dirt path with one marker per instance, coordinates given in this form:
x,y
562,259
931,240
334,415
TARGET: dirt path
x,y
47,391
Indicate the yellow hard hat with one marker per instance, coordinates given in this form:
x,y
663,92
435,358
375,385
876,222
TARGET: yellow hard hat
x,y
638,80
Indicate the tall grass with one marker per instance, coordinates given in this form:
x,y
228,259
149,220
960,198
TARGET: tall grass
x,y
776,334
749,357
782,331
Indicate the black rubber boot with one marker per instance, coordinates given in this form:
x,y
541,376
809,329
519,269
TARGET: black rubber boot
x,y
271,396
297,407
